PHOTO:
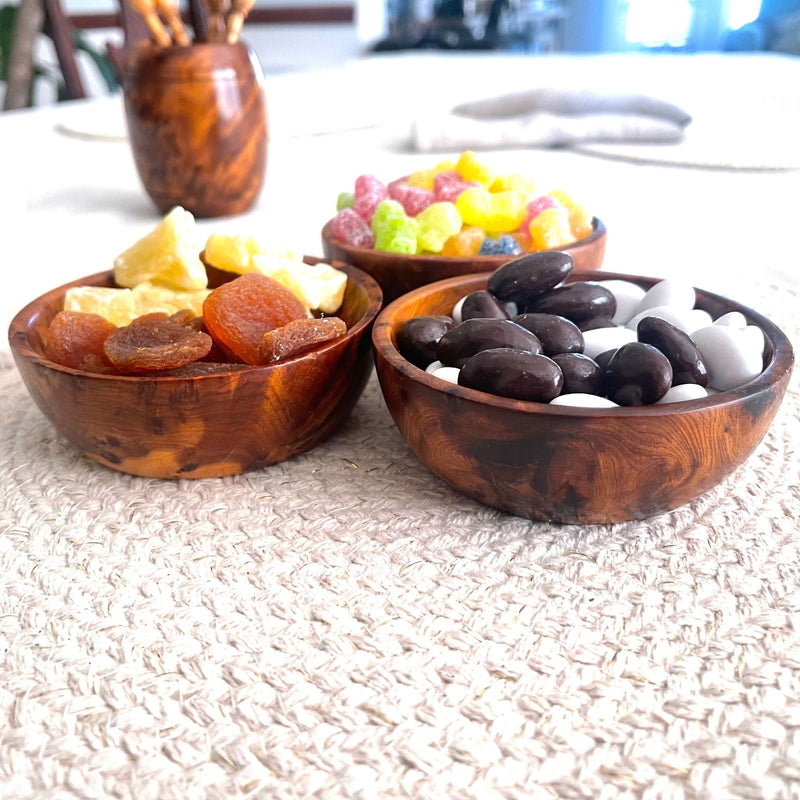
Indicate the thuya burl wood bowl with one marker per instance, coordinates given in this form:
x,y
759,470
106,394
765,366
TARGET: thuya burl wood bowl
x,y
573,465
197,124
200,426
398,274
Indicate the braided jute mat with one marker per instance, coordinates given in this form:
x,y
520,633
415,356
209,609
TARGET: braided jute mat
x,y
344,625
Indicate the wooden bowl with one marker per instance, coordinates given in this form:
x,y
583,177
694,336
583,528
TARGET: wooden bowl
x,y
573,465
202,426
197,124
398,274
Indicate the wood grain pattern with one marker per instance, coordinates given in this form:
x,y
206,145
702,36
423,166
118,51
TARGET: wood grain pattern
x,y
198,427
572,465
197,122
398,274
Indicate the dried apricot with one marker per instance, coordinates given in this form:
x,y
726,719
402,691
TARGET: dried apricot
x,y
299,336
76,338
239,313
155,342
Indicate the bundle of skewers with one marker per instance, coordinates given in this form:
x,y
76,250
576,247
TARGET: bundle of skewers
x,y
223,20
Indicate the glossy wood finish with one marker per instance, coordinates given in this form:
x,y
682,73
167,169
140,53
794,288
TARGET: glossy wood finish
x,y
200,427
197,123
568,465
398,274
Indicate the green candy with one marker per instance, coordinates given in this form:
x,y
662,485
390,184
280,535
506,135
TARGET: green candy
x,y
397,235
388,215
437,223
344,200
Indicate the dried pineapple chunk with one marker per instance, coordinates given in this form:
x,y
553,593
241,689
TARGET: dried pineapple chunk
x,y
240,254
150,297
318,286
169,255
116,305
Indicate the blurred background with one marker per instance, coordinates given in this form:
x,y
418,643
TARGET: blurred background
x,y
298,35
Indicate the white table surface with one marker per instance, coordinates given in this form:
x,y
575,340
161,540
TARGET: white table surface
x,y
71,198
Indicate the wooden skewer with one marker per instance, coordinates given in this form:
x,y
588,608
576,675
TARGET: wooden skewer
x,y
147,10
216,20
239,10
171,13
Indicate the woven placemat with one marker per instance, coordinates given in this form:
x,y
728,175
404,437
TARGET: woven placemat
x,y
344,625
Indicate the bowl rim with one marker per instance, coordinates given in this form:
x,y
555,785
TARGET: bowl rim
x,y
780,363
598,233
21,346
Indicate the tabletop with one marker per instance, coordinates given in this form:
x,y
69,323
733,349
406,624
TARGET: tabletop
x,y
344,625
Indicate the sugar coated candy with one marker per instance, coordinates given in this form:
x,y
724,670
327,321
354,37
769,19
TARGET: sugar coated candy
x,y
435,225
414,199
369,192
464,244
498,204
349,227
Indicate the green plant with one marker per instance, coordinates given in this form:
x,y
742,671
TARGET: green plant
x,y
8,19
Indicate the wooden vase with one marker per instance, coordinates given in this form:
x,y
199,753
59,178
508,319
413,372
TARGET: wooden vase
x,y
197,123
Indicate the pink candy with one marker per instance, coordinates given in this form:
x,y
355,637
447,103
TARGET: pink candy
x,y
369,192
447,186
413,198
349,227
536,206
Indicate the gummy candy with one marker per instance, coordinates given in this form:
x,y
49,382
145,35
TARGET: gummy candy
x,y
299,336
436,224
465,244
471,168
395,231
424,178
447,186
536,206
155,342
550,229
344,200
504,245
369,192
413,198
497,204
239,313
349,227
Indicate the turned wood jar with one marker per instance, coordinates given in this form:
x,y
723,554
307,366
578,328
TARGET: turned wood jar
x,y
197,123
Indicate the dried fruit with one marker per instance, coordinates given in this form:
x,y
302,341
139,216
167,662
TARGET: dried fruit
x,y
239,313
76,338
118,306
300,336
155,342
169,255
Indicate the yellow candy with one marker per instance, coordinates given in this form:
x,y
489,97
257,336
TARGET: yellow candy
x,y
580,220
550,229
515,182
436,224
423,178
507,211
475,206
471,169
